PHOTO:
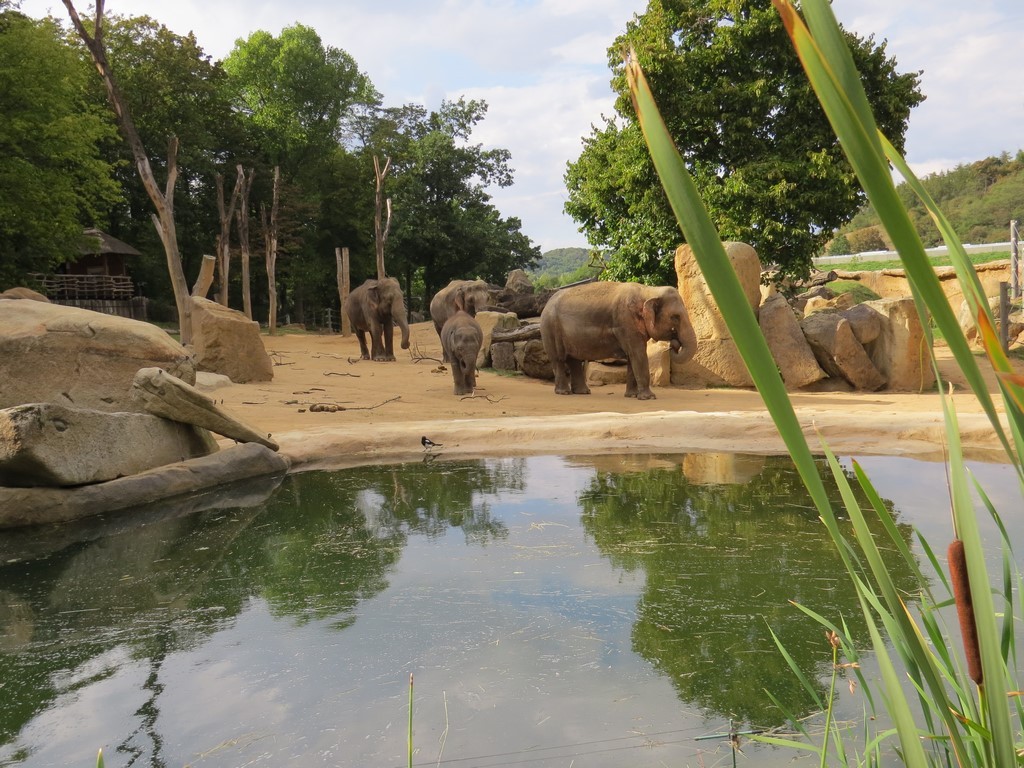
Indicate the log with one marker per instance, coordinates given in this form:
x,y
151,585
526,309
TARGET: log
x,y
525,333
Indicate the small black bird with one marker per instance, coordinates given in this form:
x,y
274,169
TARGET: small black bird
x,y
428,443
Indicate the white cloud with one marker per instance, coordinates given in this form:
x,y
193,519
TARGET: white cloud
x,y
542,68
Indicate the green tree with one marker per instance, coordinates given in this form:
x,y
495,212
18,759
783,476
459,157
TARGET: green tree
x,y
54,180
172,89
760,149
303,104
297,93
445,226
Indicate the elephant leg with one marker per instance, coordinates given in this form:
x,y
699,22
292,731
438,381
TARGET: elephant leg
x,y
444,352
376,336
561,371
388,332
638,378
459,377
578,376
364,352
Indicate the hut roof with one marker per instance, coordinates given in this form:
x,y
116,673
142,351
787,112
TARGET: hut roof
x,y
99,242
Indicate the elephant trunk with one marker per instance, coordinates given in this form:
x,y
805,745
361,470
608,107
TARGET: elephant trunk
x,y
403,324
684,346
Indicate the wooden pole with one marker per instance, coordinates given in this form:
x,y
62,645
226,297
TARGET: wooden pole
x,y
1004,316
341,257
1014,259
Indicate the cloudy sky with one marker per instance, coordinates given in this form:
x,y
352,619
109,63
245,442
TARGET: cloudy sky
x,y
541,67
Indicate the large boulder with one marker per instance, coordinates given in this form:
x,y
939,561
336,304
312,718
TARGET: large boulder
x,y
212,474
532,359
20,292
45,444
162,395
900,350
969,325
489,322
790,350
227,342
519,282
717,360
76,357
840,354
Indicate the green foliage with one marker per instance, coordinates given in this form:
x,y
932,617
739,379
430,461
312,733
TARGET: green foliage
x,y
54,180
296,92
980,199
838,246
945,716
445,226
866,239
560,261
860,292
171,88
285,100
563,266
750,132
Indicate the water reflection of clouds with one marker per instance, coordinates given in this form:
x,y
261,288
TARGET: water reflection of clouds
x,y
917,489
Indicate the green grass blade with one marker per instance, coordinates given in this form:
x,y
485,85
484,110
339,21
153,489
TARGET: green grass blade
x,y
703,238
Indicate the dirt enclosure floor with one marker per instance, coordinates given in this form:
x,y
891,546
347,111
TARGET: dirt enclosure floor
x,y
384,408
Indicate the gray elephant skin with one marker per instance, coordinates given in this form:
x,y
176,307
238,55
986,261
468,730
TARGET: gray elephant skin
x,y
461,339
376,307
471,296
606,320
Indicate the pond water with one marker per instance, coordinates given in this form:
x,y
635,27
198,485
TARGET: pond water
x,y
588,611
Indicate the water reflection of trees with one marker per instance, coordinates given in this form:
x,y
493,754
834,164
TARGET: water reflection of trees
x,y
324,542
715,555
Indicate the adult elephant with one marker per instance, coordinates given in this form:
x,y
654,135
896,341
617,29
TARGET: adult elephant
x,y
468,295
376,307
461,339
605,320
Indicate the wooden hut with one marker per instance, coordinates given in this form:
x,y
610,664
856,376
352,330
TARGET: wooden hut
x,y
97,278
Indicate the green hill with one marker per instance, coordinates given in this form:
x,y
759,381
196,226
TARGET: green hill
x,y
562,266
980,199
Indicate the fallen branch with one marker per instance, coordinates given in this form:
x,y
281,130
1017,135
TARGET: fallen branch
x,y
488,398
416,355
329,354
378,405
336,373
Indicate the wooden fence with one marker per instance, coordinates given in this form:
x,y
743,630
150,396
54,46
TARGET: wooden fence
x,y
109,294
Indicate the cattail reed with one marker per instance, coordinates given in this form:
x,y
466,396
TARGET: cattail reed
x,y
965,608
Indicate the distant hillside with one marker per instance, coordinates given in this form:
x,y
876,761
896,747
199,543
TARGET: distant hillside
x,y
979,199
561,266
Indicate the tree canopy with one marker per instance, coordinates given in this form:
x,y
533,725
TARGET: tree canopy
x,y
287,100
53,173
736,101
445,225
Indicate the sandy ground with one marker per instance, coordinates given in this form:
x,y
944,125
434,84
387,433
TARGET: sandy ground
x,y
384,409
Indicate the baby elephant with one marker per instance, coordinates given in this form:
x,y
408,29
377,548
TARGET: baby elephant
x,y
461,338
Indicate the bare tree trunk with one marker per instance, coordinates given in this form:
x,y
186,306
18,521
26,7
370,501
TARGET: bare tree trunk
x,y
163,219
380,228
225,215
270,242
205,278
344,285
242,216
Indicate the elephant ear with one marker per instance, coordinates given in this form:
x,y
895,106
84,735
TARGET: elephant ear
x,y
459,301
649,314
373,294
